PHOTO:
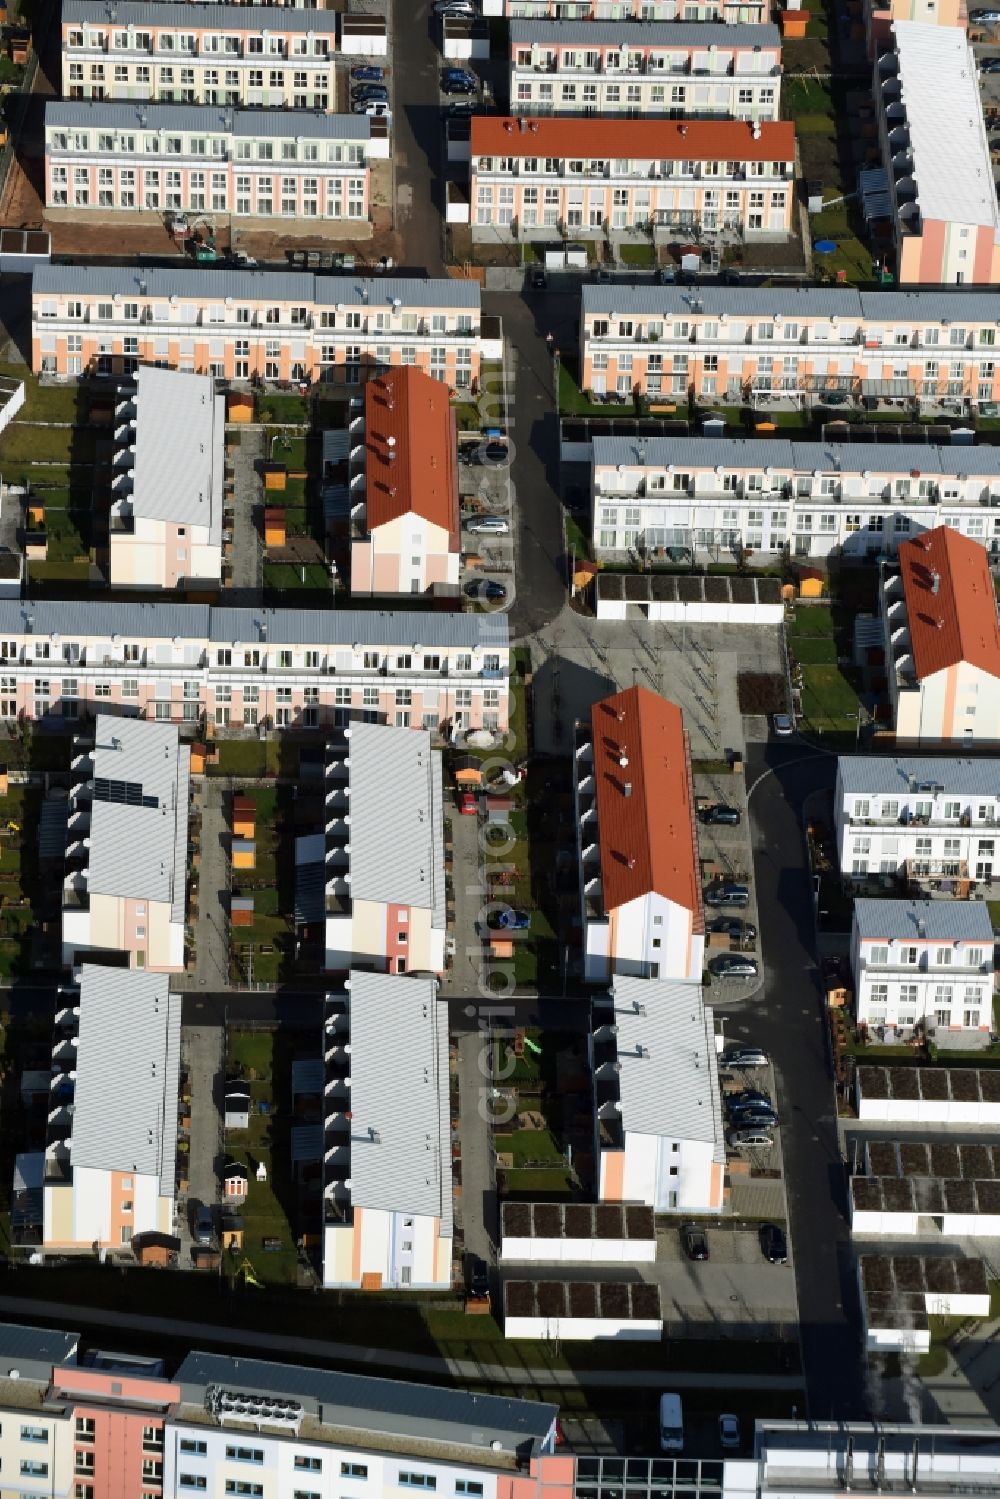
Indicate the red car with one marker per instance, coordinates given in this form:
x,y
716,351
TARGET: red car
x,y
467,804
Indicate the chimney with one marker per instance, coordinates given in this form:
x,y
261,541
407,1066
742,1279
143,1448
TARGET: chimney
x,y
921,927
682,130
935,582
627,791
533,126
522,125
630,863
508,125
755,130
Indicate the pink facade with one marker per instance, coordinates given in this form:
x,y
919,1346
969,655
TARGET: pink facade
x,y
117,1449
550,1477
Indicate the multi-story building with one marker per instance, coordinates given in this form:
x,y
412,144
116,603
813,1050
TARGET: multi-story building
x,y
880,15
659,1135
270,326
198,158
942,642
595,176
403,495
254,668
802,346
387,1183
726,12
721,497
384,851
111,1141
126,857
633,68
927,822
166,513
926,963
942,201
640,886
237,55
827,1457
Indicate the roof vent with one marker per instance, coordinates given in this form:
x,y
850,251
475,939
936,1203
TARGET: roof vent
x,y
627,790
508,125
755,130
522,125
921,927
623,758
682,130
533,126
630,863
935,582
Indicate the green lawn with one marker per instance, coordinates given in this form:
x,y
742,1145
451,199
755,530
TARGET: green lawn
x,y
247,757
281,577
993,906
46,403
21,444
573,401
576,538
829,698
277,409
267,1140
639,255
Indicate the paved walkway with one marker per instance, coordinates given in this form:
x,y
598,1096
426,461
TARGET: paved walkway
x,y
212,935
465,974
277,1345
478,1202
203,1055
247,554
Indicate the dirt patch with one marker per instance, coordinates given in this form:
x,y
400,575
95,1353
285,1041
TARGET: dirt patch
x,y
761,692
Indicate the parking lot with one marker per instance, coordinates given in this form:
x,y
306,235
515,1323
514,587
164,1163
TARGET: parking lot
x,y
735,1290
724,850
485,492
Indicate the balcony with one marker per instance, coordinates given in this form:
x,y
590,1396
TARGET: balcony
x,y
918,871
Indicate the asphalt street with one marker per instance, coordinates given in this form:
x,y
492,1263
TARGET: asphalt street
x,y
788,1020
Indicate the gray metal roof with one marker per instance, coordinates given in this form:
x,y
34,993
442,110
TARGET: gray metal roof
x,y
397,854
376,1407
790,302
400,1112
203,282
167,621
882,775
794,457
140,851
698,35
672,1088
33,1351
941,920
128,1057
180,429
208,16
102,114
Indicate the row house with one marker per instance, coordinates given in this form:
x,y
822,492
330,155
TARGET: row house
x,y
382,852
124,888
640,69
270,326
940,196
193,665
720,497
933,823
659,1135
640,877
236,55
196,158
388,1219
595,176
924,964
941,640
721,12
111,1136
839,347
165,525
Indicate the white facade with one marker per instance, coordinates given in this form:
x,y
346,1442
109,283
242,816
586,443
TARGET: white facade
x,y
927,963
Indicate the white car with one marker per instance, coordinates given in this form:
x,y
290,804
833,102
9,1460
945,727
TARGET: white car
x,y
729,1432
376,109
783,724
489,524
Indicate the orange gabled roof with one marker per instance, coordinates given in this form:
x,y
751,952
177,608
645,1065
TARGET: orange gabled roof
x,y
951,606
411,459
681,140
645,801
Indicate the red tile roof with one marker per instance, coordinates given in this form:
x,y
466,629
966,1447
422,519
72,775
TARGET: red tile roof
x,y
645,802
951,605
683,140
411,459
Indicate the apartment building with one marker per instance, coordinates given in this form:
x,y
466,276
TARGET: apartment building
x,y
942,642
941,198
725,12
198,158
880,16
926,963
403,490
640,885
384,851
931,823
270,326
936,1459
837,347
632,68
387,1181
111,1142
237,55
253,668
659,1135
594,176
124,890
165,525
721,497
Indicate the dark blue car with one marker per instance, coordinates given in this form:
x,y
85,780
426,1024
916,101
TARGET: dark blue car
x,y
368,73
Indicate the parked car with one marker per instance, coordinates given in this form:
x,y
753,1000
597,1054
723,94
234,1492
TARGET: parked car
x,y
513,921
783,724
489,525
370,93
729,1432
459,109
749,1137
773,1244
731,965
727,893
749,1096
538,280
467,803
453,8
241,260
694,1242
376,109
203,1229
720,813
744,1056
367,72
458,81
990,65
478,1276
736,927
754,1117
486,590
985,17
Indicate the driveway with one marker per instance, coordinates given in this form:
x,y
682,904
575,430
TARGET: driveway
x,y
417,136
788,1019
203,1060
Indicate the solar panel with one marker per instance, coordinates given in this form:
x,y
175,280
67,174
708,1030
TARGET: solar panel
x,y
122,793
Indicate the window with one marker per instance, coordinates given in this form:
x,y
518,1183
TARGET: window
x,y
308,1464
192,1480
35,1433
152,1436
468,1486
417,1481
245,1454
354,1470
32,1468
239,1486
85,1428
879,955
